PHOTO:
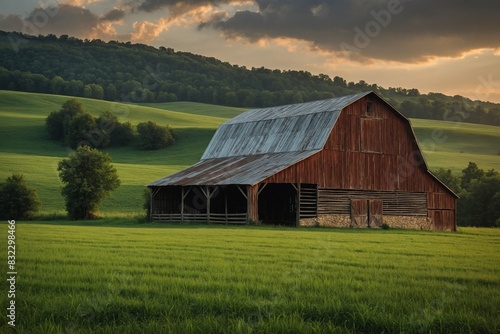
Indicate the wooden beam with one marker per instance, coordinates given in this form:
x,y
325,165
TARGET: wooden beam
x,y
151,198
242,192
182,203
264,185
253,203
297,207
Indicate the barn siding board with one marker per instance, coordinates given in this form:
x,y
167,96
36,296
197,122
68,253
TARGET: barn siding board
x,y
337,201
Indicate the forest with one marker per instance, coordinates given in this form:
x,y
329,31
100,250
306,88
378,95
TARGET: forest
x,y
138,73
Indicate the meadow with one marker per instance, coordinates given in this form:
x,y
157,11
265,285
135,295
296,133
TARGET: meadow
x,y
114,276
24,146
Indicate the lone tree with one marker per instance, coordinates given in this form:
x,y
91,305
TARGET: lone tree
x,y
88,178
17,199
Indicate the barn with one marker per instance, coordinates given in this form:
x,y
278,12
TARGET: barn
x,y
350,161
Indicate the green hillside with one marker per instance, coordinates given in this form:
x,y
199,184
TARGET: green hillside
x,y
25,148
143,74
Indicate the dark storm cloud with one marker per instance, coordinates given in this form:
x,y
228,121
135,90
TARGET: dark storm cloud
x,y
153,5
11,23
113,15
402,30
63,19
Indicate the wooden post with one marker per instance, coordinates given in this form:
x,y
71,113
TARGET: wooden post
x,y
225,206
297,207
182,203
208,202
151,198
253,203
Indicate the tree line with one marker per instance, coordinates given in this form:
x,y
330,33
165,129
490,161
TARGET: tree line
x,y
127,72
479,192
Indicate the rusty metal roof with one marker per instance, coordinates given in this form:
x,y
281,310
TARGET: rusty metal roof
x,y
243,170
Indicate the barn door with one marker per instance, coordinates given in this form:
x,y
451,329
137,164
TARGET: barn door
x,y
359,213
366,213
375,213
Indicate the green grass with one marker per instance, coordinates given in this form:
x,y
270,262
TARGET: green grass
x,y
118,277
453,145
24,146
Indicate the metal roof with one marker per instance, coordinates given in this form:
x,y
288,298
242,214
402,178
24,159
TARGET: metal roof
x,y
243,170
288,128
262,142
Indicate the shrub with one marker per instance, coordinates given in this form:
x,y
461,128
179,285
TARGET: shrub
x,y
153,136
17,199
122,135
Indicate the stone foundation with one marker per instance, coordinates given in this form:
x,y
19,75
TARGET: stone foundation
x,y
328,221
409,222
344,221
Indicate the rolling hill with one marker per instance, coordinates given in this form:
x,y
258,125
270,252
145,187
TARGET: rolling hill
x,y
25,148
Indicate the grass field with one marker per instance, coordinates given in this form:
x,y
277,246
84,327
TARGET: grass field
x,y
24,146
113,277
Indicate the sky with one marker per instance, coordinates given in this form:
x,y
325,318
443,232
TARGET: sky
x,y
445,46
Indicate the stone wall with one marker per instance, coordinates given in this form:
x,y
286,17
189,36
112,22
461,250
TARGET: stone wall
x,y
409,222
328,221
344,221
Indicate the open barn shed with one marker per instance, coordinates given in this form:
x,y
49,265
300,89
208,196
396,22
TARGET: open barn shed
x,y
351,161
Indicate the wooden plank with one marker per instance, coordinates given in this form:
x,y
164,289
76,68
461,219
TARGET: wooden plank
x,y
359,213
375,213
337,201
253,203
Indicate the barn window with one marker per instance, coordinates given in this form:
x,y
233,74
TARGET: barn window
x,y
369,108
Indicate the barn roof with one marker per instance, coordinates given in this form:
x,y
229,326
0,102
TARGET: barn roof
x,y
289,128
261,142
243,170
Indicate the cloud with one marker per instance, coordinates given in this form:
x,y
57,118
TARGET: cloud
x,y
177,7
11,23
395,30
113,15
66,20
146,32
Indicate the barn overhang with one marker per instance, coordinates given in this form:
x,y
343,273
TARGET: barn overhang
x,y
239,170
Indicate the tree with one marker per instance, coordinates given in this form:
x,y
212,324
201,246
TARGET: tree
x,y
448,178
82,130
153,136
55,125
471,172
58,121
17,199
122,135
480,206
88,178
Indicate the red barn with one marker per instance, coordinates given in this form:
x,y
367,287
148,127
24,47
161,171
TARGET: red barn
x,y
351,161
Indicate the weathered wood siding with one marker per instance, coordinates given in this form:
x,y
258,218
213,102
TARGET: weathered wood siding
x,y
373,148
395,203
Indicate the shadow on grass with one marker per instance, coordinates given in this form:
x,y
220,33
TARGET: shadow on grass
x,y
138,220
